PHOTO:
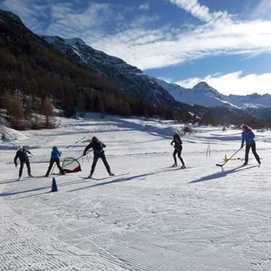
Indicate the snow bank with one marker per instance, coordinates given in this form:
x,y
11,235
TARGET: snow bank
x,y
10,138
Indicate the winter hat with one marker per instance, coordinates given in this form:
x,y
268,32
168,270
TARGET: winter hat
x,y
95,139
244,127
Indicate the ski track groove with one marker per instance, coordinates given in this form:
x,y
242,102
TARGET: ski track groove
x,y
22,249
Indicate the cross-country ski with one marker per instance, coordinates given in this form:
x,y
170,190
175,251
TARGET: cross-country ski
x,y
228,159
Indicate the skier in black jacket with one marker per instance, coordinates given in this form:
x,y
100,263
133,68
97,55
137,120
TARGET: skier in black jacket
x,y
177,143
98,152
23,155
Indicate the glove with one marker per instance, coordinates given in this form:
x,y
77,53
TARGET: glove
x,y
242,146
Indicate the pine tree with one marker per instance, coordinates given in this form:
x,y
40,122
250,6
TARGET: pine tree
x,y
15,111
47,109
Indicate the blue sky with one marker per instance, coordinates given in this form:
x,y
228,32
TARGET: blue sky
x,y
224,42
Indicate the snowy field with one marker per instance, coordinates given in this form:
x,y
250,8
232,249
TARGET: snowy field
x,y
147,217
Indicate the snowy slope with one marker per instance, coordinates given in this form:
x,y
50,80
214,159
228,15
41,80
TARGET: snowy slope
x,y
149,216
204,95
10,138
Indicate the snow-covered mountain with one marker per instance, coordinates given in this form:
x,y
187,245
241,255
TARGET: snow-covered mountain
x,y
134,82
251,101
204,95
201,94
129,79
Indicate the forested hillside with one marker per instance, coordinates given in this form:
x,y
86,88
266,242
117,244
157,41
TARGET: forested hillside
x,y
33,75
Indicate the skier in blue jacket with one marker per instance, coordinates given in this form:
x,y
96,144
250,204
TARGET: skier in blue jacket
x,y
55,158
248,137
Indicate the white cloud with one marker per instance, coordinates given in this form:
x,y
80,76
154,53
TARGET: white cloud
x,y
199,11
161,48
68,22
67,19
234,83
141,46
27,14
219,35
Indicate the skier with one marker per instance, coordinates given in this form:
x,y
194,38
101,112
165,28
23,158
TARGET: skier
x,y
98,152
177,143
55,158
248,137
23,155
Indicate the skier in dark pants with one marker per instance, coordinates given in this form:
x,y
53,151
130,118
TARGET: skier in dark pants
x,y
248,137
55,158
177,143
98,152
23,156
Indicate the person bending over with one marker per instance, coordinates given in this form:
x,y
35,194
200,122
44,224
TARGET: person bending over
x,y
55,158
248,138
23,155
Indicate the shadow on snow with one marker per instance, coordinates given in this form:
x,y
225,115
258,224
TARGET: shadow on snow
x,y
125,179
221,174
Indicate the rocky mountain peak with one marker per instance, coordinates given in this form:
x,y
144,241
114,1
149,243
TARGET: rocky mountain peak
x,y
204,87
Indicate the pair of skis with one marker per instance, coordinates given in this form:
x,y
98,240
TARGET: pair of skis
x,y
227,159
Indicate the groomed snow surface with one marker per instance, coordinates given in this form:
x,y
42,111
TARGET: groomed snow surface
x,y
147,217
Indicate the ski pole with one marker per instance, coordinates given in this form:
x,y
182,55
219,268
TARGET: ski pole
x,y
234,154
228,159
208,151
52,170
77,141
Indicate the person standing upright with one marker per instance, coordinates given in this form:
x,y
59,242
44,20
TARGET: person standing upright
x,y
23,155
248,138
178,147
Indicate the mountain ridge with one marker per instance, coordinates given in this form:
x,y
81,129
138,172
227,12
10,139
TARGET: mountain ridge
x,y
130,79
205,95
